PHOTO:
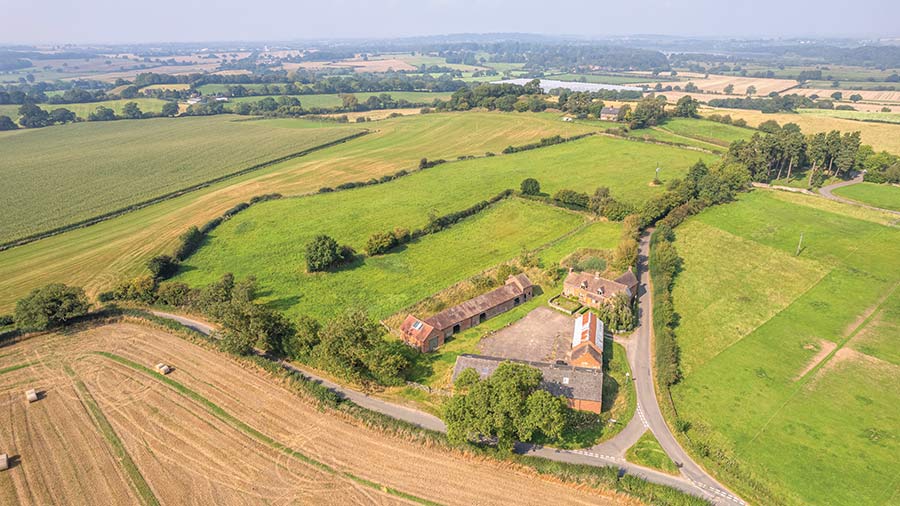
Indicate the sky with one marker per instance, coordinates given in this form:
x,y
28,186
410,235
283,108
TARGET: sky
x,y
117,21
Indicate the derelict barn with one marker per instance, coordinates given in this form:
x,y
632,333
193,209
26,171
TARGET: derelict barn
x,y
429,334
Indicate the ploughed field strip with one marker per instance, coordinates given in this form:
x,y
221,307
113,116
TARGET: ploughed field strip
x,y
212,429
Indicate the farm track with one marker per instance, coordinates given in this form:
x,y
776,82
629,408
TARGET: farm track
x,y
221,429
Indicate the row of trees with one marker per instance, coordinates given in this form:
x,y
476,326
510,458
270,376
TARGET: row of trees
x,y
779,151
33,116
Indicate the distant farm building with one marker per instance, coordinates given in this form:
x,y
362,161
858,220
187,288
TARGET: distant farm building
x,y
592,290
429,334
581,386
587,342
609,114
31,395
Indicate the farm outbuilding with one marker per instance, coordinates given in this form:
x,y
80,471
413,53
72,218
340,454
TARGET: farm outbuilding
x,y
31,395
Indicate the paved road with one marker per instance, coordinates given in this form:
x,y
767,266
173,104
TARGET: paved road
x,y
828,193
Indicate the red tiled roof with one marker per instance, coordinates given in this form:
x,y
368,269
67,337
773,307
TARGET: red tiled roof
x,y
514,287
415,329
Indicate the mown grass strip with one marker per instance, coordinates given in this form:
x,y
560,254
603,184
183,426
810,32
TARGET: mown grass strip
x,y
134,474
226,417
16,367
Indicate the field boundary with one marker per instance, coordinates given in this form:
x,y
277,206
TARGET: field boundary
x,y
607,133
171,195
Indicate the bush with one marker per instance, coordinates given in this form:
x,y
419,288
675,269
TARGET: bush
x,y
531,186
188,242
571,198
162,266
380,243
6,320
50,306
323,253
173,294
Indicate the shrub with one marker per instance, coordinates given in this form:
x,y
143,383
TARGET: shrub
x,y
531,186
572,198
50,306
173,294
6,320
380,243
323,253
162,266
188,242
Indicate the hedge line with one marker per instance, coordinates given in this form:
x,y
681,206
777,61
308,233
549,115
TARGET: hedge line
x,y
546,141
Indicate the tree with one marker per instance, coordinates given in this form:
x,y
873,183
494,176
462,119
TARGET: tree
x,y
323,253
856,97
531,186
6,123
837,96
770,127
687,107
170,109
131,111
162,266
102,114
32,116
50,306
380,243
62,115
751,90
729,89
650,111
300,344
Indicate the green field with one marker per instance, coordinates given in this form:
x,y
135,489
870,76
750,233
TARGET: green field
x,y
99,256
884,117
257,242
790,363
63,174
268,240
879,195
648,452
84,110
334,100
602,78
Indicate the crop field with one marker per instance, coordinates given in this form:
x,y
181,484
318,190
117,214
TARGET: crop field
x,y
267,242
885,117
50,183
334,100
174,87
599,78
867,95
878,195
852,85
213,430
790,360
84,110
98,256
717,84
880,136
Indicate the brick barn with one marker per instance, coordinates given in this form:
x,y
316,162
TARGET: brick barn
x,y
587,342
429,334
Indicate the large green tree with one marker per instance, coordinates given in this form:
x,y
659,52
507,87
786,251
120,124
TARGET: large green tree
x,y
50,306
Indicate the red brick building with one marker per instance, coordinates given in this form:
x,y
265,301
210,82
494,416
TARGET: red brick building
x,y
429,334
587,342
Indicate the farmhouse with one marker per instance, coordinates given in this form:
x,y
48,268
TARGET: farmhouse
x,y
429,334
609,114
581,386
587,342
593,290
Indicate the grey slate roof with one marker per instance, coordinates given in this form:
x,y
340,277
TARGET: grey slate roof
x,y
572,382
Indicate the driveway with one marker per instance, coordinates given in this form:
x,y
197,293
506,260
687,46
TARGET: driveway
x,y
543,335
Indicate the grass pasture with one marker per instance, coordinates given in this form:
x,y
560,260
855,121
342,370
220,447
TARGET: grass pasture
x,y
879,195
83,110
214,430
50,183
257,243
334,100
98,256
788,360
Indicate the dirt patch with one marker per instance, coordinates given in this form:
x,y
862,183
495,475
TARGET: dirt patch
x,y
825,347
879,369
543,335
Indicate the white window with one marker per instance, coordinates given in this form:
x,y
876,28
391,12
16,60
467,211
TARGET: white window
x,y
565,380
417,325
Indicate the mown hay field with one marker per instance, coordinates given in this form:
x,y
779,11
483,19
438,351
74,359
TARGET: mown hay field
x,y
100,255
83,110
717,84
61,175
880,136
216,431
879,195
867,95
789,360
